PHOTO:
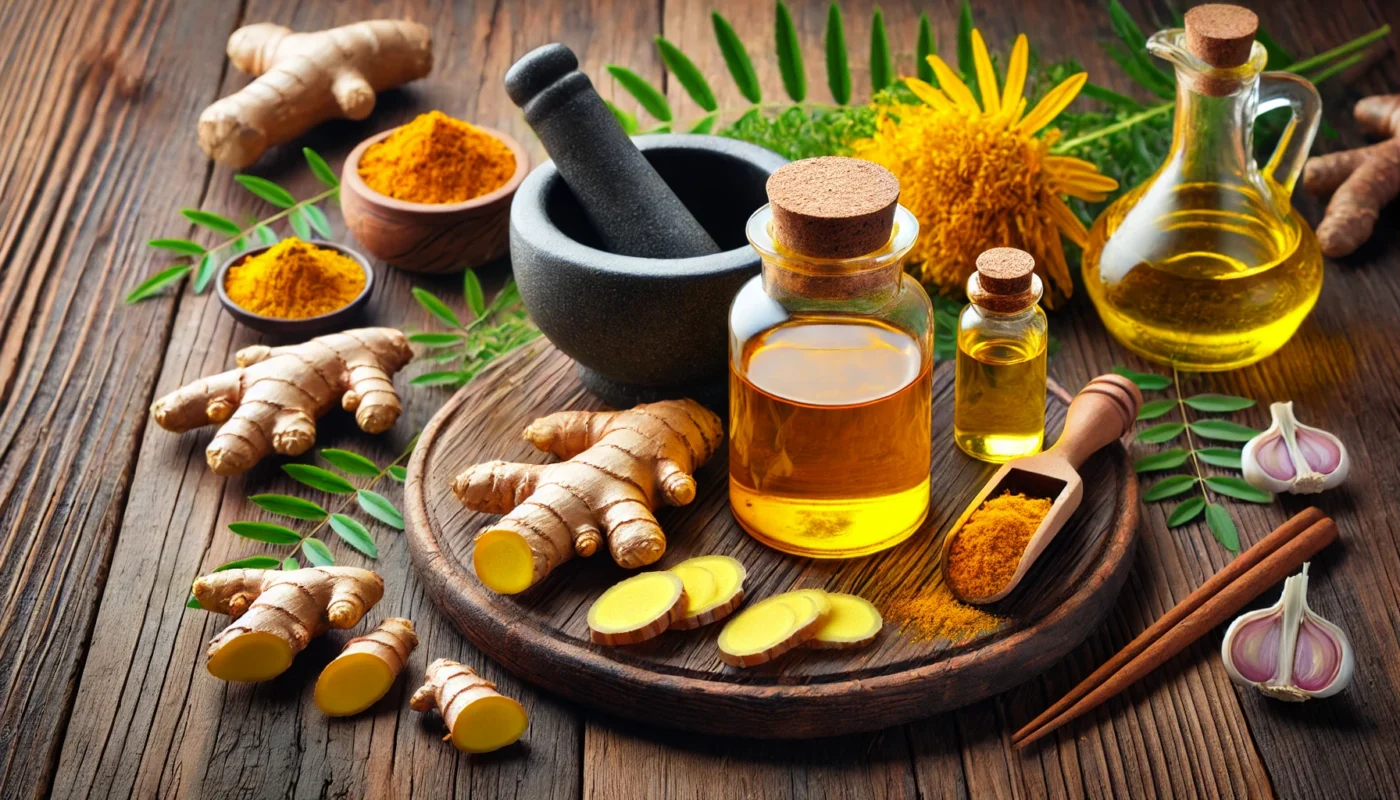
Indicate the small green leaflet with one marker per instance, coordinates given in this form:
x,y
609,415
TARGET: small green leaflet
x,y
192,602
1218,403
204,274
965,61
789,55
265,532
184,247
649,96
1145,380
158,281
320,168
1238,489
1167,459
354,534
927,46
705,125
1168,487
881,64
265,235
300,226
1161,433
318,220
251,562
352,463
436,307
1222,527
1227,457
435,340
439,379
239,245
266,190
689,76
1153,409
379,507
212,221
398,473
471,289
838,72
291,563
318,478
289,506
736,58
1109,96
1223,430
1186,512
625,119
317,553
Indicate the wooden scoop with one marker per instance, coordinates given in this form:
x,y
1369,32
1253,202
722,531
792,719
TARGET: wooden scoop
x,y
1100,414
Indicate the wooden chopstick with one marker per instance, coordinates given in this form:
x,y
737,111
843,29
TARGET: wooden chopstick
x,y
1225,593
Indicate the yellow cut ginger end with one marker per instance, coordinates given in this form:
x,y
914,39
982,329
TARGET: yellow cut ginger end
x,y
714,588
365,670
768,629
853,622
636,609
479,719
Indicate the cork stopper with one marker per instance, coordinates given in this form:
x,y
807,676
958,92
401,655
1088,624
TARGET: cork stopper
x,y
1220,34
832,207
1005,276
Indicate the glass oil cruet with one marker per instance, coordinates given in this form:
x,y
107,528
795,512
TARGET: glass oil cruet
x,y
1206,265
831,354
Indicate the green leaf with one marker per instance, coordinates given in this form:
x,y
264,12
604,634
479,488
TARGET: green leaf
x,y
265,532
318,220
318,478
251,562
1153,409
1160,433
649,96
687,74
838,72
1146,72
1219,403
288,506
1167,459
1105,95
379,507
300,226
881,64
789,55
1145,380
158,281
317,552
1278,57
966,64
705,125
265,235
1222,527
192,602
320,168
1168,487
1227,457
1186,512
434,340
436,307
239,245
476,298
204,273
439,379
266,190
354,534
927,46
1238,489
290,563
1223,430
212,221
625,119
182,246
736,58
351,463
398,473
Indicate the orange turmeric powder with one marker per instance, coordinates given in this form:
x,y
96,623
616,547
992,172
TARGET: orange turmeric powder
x,y
987,550
295,280
936,614
437,159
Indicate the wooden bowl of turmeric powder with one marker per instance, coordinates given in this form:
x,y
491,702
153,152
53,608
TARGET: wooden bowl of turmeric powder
x,y
296,287
433,195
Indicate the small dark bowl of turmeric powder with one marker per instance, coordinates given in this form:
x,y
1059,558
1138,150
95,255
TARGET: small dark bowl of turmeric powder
x,y
296,287
433,195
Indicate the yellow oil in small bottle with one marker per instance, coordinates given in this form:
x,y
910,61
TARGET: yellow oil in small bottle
x,y
999,406
830,436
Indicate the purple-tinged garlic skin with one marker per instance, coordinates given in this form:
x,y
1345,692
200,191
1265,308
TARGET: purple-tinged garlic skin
x,y
1287,651
1293,457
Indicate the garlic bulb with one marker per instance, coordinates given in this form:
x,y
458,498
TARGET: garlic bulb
x,y
1288,652
1292,457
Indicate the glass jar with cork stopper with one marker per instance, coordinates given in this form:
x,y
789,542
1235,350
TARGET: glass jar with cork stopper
x,y
831,353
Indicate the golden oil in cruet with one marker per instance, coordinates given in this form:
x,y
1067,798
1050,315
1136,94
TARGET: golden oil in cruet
x,y
1206,265
999,393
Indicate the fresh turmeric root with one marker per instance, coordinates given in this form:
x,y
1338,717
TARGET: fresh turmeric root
x,y
479,719
304,79
279,612
714,588
272,400
1362,181
622,465
636,609
365,670
772,627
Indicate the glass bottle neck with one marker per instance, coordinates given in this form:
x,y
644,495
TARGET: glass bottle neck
x,y
1213,136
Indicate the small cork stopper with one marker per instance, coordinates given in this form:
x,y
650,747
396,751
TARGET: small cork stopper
x,y
1005,270
1220,34
833,207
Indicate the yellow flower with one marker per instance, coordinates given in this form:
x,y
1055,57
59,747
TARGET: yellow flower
x,y
979,177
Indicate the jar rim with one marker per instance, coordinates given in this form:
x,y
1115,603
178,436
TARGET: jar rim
x,y
902,238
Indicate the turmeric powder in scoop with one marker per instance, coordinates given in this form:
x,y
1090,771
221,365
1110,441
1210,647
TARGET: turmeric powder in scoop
x,y
295,280
986,551
437,159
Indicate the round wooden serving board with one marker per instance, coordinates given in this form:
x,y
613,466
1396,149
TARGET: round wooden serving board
x,y
677,680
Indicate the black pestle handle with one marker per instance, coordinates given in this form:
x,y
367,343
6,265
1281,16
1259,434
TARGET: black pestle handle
x,y
628,203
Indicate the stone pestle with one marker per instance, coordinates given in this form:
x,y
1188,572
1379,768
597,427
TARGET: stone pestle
x,y
624,198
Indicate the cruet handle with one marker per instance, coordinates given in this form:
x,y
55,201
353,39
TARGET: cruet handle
x,y
1284,88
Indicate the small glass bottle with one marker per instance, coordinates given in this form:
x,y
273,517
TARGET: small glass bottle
x,y
831,350
999,397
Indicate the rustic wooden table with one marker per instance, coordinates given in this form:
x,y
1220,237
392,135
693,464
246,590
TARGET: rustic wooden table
x,y
106,518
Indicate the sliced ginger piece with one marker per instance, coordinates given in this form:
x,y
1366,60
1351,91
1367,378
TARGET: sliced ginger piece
x,y
636,609
770,628
853,622
714,588
479,719
365,670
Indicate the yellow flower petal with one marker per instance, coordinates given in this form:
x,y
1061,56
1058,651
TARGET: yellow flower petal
x,y
953,86
1016,73
1067,165
1052,104
986,76
1066,221
928,93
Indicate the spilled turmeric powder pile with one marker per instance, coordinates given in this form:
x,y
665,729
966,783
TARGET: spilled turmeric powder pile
x,y
437,159
936,614
988,548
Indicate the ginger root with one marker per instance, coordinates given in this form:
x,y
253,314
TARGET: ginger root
x,y
622,465
279,612
365,670
304,79
772,627
479,719
272,400
637,608
1362,181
